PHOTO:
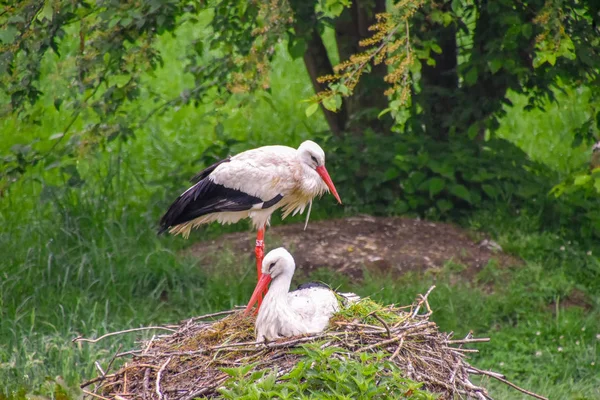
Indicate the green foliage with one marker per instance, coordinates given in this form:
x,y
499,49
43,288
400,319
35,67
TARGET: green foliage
x,y
330,373
487,49
427,177
580,196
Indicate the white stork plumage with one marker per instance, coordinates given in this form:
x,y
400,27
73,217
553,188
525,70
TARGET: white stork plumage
x,y
252,184
284,313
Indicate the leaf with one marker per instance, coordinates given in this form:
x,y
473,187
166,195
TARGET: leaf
x,y
597,185
461,192
436,185
310,110
444,205
473,131
57,136
490,190
7,35
338,101
436,48
581,180
382,113
47,12
330,103
391,173
343,89
558,190
471,76
495,65
297,47
57,103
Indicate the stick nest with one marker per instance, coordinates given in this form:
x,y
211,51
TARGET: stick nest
x,y
188,362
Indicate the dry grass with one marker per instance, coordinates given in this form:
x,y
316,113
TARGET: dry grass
x,y
188,362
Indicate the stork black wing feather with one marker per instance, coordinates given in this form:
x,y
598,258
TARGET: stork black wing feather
x,y
205,197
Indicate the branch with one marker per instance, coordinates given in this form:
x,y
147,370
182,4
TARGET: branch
x,y
387,328
94,395
423,300
82,339
158,377
520,389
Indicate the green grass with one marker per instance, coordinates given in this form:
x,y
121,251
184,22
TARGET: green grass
x,y
86,260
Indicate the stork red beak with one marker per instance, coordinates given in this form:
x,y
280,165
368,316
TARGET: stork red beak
x,y
322,171
262,284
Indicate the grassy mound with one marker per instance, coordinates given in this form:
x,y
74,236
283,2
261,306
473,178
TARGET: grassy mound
x,y
368,351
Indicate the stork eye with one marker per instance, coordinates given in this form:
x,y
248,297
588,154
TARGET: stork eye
x,y
271,266
314,159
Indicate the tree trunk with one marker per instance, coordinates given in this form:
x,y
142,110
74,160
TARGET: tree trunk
x,y
318,64
368,99
439,82
316,59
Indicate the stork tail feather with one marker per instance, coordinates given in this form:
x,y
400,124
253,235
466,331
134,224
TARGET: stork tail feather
x,y
308,214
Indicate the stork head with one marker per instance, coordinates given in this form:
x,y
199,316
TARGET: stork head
x,y
278,262
313,156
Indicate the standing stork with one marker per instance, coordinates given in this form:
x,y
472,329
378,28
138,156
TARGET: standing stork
x,y
284,313
252,184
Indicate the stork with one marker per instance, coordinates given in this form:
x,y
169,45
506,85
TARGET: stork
x,y
284,313
252,184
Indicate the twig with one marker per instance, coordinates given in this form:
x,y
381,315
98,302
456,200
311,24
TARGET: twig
x,y
94,394
378,344
463,341
217,314
356,324
423,300
148,344
126,353
461,350
96,379
82,339
520,389
146,382
125,379
99,368
378,318
477,371
112,360
397,351
158,377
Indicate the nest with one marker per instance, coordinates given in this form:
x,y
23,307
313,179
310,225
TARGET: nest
x,y
189,362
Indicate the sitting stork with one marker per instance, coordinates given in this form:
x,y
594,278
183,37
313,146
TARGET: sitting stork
x,y
252,184
284,313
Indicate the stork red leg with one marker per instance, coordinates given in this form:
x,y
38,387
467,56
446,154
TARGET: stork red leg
x,y
259,251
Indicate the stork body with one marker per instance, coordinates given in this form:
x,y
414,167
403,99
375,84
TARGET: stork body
x,y
284,313
252,184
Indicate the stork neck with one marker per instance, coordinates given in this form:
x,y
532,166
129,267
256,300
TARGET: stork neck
x,y
312,183
279,289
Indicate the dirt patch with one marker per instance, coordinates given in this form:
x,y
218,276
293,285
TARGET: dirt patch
x,y
380,244
576,298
